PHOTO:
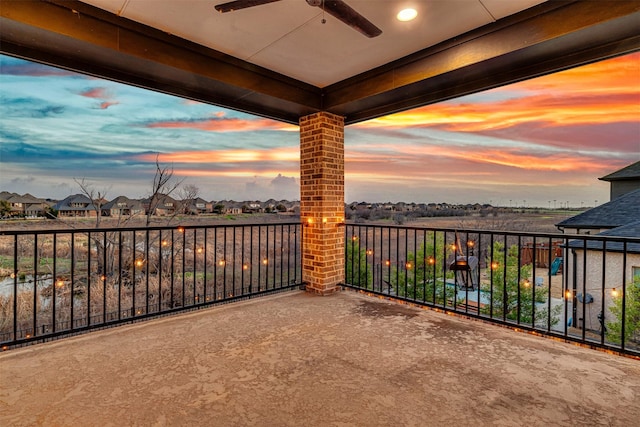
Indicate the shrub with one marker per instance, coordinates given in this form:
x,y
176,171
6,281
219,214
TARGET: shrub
x,y
422,276
357,270
513,295
631,314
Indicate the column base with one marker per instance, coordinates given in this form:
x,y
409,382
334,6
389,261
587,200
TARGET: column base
x,y
323,290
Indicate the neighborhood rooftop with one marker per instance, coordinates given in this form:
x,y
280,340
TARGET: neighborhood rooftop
x,y
628,172
614,213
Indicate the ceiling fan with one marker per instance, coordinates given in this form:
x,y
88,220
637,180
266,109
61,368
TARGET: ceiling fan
x,y
338,8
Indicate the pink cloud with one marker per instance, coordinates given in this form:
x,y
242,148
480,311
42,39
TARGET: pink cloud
x,y
621,137
106,104
96,92
222,124
190,102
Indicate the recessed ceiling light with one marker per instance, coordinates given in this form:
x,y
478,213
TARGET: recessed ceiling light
x,y
407,14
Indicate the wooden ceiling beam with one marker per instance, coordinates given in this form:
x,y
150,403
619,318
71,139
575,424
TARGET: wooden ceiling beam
x,y
553,36
77,36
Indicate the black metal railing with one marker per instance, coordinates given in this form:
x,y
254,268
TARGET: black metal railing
x,y
59,282
576,287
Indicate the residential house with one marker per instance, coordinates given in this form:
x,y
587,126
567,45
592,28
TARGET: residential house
x,y
76,206
160,205
252,207
624,180
25,205
591,289
122,206
197,206
615,213
585,273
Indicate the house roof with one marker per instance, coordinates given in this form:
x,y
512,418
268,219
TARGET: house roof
x,y
123,199
631,229
284,60
197,200
629,172
65,204
17,198
616,213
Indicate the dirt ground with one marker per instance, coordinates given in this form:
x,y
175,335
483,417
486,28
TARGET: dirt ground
x,y
529,222
543,222
187,220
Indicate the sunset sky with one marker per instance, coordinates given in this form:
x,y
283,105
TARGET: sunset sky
x,y
538,141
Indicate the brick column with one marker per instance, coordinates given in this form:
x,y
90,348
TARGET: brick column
x,y
322,201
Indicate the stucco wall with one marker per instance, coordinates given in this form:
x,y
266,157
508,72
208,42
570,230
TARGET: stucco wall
x,y
589,278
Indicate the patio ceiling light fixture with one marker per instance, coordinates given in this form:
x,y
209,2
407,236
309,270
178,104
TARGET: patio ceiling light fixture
x,y
408,14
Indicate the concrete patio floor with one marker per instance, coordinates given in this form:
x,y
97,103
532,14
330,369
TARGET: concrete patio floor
x,y
295,359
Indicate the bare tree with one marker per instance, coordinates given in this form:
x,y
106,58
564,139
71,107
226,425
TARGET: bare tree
x,y
97,197
188,194
164,184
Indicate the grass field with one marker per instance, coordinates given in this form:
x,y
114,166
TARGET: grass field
x,y
542,221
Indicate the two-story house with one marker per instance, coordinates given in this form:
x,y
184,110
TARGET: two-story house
x,y
591,286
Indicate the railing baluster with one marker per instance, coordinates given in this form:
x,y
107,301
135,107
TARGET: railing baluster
x,y
281,252
173,251
161,243
183,256
103,276
73,280
259,260
273,257
35,285
234,290
15,287
120,275
518,280
604,286
206,252
624,296
584,288
224,265
134,264
195,269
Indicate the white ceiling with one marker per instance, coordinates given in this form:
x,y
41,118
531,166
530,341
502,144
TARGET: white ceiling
x,y
288,36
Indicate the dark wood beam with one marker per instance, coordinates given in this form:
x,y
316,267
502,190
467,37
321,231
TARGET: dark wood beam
x,y
554,36
551,37
77,36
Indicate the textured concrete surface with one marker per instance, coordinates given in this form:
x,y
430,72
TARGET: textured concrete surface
x,y
301,360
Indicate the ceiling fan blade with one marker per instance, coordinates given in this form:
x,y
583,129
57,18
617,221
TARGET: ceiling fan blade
x,y
240,4
349,16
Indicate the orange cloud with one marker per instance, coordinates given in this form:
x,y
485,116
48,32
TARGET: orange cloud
x,y
600,93
283,154
221,124
547,108
236,173
617,75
